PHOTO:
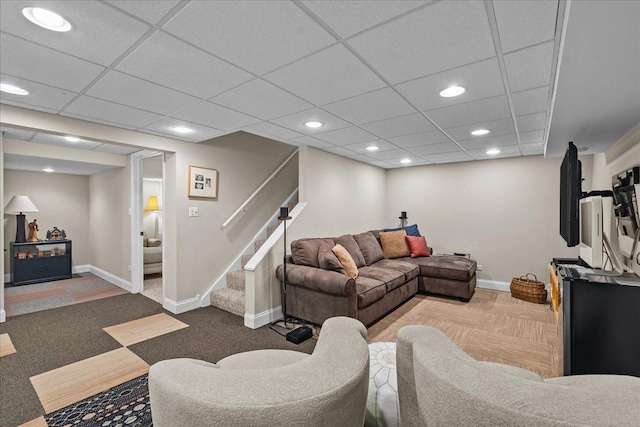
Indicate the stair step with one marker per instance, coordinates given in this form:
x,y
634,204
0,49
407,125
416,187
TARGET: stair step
x,y
227,299
258,243
235,280
271,229
245,259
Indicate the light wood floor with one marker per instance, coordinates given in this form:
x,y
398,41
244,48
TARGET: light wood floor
x,y
493,326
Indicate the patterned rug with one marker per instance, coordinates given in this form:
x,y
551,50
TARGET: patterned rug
x,y
125,405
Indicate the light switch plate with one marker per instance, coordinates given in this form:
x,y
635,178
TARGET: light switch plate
x,y
193,211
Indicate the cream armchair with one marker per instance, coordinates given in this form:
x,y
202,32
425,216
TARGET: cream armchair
x,y
269,387
440,385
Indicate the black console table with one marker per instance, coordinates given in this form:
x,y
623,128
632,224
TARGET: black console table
x,y
601,323
35,262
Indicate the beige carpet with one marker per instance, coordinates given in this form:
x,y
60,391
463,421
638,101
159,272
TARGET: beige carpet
x,y
153,287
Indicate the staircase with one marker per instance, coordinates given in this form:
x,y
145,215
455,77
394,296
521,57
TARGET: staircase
x,y
232,297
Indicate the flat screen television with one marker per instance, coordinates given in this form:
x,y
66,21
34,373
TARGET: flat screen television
x,y
570,192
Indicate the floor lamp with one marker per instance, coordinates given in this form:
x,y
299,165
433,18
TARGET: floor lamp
x,y
19,205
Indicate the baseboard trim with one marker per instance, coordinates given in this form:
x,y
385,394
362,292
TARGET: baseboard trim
x,y
495,285
181,306
111,278
3,315
76,269
255,321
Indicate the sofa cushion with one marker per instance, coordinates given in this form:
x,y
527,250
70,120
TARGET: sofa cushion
x,y
446,267
348,242
394,244
391,278
409,270
412,230
327,260
346,261
418,246
370,247
305,251
369,291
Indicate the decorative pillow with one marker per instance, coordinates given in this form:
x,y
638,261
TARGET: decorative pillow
x,y
394,244
327,259
412,230
418,246
348,242
371,249
346,261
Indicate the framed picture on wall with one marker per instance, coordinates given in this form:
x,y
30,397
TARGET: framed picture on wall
x,y
203,182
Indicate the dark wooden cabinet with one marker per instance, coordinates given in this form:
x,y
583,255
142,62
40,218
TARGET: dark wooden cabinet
x,y
34,262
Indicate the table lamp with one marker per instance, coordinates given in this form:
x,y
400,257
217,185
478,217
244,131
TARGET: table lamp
x,y
19,205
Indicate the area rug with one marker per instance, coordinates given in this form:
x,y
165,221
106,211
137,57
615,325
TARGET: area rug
x,y
126,404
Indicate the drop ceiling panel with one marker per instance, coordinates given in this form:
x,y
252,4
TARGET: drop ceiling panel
x,y
435,38
275,130
29,163
91,119
215,116
124,89
415,161
489,142
529,68
166,125
340,151
116,149
87,106
296,121
361,147
23,135
530,101
505,151
350,17
40,64
533,136
109,34
149,11
312,142
346,136
372,106
497,127
482,80
381,164
327,76
524,23
29,106
39,95
43,138
471,112
456,156
261,99
360,157
390,154
447,147
399,126
423,138
167,61
534,148
531,122
258,36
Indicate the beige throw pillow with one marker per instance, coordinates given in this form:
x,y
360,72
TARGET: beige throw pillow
x,y
394,244
346,261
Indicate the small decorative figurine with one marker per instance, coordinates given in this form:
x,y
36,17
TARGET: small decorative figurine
x,y
33,231
56,234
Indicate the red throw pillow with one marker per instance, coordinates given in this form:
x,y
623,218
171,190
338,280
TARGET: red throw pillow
x,y
418,246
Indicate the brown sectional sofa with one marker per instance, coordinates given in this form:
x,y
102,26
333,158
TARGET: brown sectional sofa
x,y
318,289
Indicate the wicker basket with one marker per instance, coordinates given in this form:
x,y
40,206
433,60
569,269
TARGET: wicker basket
x,y
527,289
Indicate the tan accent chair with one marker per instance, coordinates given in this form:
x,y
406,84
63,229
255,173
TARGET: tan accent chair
x,y
269,387
440,385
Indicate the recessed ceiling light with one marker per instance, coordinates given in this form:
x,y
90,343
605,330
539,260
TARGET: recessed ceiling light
x,y
48,170
405,161
373,148
314,125
493,151
452,91
14,90
72,138
480,132
46,19
182,129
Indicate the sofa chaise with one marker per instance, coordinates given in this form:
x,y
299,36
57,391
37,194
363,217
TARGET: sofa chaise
x,y
318,288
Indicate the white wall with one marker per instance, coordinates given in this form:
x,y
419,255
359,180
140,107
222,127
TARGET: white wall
x,y
505,212
63,202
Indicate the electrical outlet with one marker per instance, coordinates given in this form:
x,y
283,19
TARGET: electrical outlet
x,y
193,211
479,268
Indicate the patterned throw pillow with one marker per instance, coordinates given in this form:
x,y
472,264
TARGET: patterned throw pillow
x,y
346,261
394,244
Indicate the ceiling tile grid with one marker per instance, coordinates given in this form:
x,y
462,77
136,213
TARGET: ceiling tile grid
x,y
371,72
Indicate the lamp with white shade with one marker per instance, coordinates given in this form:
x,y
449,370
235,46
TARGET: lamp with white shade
x,y
153,206
19,205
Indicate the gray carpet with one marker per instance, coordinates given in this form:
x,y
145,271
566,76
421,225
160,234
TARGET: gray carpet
x,y
53,338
